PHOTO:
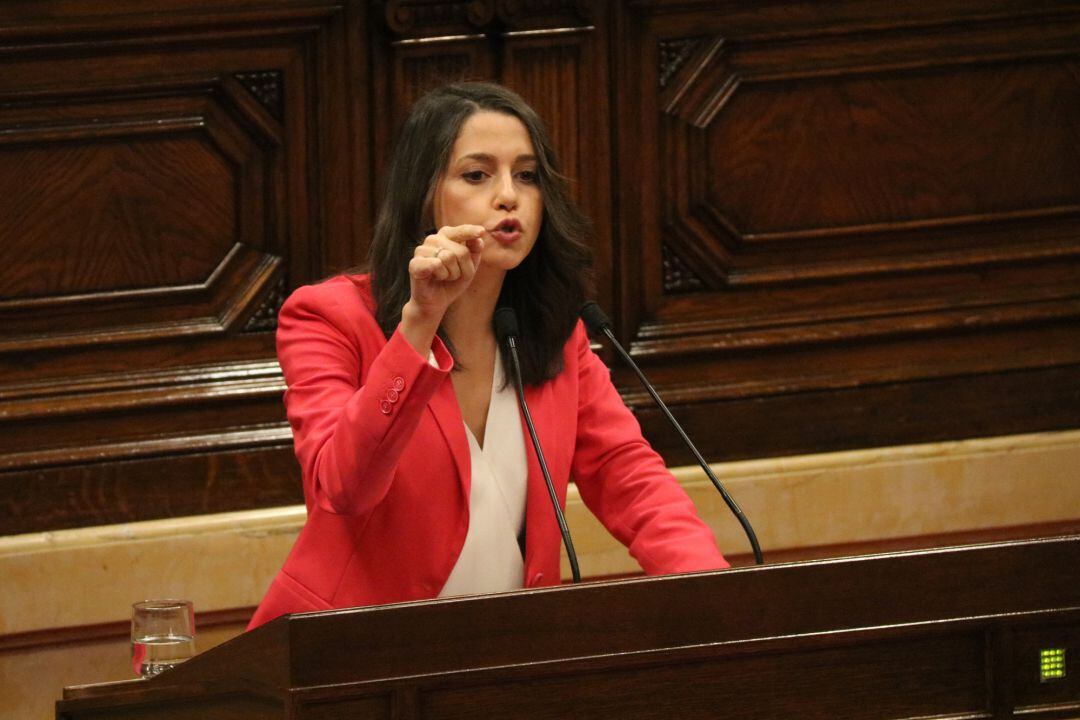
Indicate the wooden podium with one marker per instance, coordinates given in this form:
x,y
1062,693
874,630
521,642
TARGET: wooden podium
x,y
954,632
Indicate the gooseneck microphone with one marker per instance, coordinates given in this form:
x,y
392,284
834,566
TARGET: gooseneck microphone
x,y
599,324
506,330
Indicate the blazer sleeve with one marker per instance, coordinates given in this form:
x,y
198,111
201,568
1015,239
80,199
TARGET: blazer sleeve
x,y
348,434
626,484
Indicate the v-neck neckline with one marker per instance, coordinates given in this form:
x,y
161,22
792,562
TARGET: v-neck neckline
x,y
496,376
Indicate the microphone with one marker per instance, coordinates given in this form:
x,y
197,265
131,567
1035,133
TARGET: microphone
x,y
599,324
506,330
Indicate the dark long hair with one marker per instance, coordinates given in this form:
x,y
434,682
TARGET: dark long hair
x,y
546,289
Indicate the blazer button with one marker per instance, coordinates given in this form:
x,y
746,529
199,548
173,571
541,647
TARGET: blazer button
x,y
392,395
537,578
385,407
399,383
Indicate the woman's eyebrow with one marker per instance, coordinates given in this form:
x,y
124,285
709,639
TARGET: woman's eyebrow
x,y
487,157
484,157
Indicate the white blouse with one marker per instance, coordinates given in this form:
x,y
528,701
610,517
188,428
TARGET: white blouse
x,y
490,560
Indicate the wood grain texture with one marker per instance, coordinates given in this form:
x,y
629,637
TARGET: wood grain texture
x,y
85,219
888,680
876,416
902,635
175,481
167,174
817,226
815,188
549,73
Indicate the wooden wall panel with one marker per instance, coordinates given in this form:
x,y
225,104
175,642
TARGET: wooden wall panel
x,y
817,225
859,198
167,175
565,77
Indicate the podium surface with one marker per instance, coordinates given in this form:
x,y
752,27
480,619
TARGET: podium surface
x,y
953,632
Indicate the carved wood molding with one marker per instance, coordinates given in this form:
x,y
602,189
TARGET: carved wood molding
x,y
81,420
678,277
673,54
726,235
176,444
268,88
519,13
178,161
429,18
412,17
265,318
173,482
115,389
211,136
749,253
875,210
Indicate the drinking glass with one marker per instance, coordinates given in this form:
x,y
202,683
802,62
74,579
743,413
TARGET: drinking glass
x,y
162,635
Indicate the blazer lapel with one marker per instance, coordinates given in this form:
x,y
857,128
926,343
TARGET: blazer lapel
x,y
444,406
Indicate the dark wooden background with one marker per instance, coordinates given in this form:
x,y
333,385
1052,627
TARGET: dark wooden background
x,y
819,225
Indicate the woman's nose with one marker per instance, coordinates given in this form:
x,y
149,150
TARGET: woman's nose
x,y
506,193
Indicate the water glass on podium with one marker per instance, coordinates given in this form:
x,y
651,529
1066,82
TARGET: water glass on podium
x,y
162,635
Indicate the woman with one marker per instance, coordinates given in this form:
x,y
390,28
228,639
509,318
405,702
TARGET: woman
x,y
417,477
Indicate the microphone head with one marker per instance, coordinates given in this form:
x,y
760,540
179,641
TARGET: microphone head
x,y
594,318
506,324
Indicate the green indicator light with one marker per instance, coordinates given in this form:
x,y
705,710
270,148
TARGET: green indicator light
x,y
1051,664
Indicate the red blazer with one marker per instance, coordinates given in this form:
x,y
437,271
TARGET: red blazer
x,y
385,461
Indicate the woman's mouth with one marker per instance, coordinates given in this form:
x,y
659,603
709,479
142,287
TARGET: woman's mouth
x,y
506,232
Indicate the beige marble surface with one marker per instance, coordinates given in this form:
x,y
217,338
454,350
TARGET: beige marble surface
x,y
32,679
92,575
869,495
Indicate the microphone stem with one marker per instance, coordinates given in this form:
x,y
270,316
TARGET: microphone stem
x,y
734,506
520,388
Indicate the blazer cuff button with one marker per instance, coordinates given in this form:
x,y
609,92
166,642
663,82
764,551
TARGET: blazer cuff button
x,y
384,405
399,383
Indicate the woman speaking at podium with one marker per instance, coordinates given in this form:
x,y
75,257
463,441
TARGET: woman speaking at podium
x,y
418,476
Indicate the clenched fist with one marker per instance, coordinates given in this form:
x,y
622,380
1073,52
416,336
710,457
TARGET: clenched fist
x,y
440,271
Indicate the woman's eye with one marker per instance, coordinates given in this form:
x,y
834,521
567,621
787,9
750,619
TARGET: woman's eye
x,y
528,176
474,176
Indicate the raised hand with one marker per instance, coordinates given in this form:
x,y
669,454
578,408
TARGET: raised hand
x,y
440,271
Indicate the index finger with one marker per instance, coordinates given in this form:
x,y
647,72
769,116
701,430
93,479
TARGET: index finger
x,y
462,233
